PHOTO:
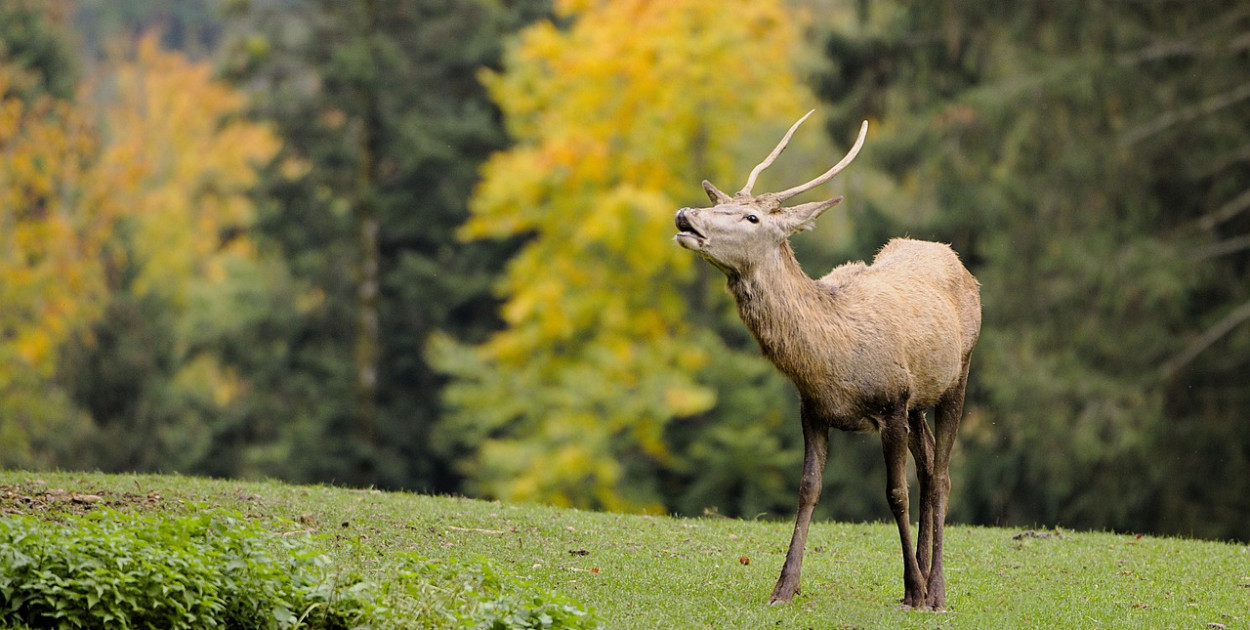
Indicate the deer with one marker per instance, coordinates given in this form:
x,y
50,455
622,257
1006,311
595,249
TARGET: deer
x,y
869,347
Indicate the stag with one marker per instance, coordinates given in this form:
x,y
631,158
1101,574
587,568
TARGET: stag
x,y
869,348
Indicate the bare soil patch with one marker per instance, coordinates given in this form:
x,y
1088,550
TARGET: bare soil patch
x,y
37,499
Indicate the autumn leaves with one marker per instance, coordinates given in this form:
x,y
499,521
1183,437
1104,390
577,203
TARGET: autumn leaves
x,y
139,183
613,118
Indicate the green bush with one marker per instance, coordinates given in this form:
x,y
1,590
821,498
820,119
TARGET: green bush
x,y
217,569
206,570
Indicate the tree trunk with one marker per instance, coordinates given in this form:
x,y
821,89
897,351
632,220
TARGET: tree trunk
x,y
368,224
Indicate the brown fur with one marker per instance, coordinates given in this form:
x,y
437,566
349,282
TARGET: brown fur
x,y
869,347
865,335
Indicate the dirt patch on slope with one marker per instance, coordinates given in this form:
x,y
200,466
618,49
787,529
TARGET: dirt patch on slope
x,y
37,499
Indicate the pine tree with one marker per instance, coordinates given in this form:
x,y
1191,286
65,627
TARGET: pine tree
x,y
384,124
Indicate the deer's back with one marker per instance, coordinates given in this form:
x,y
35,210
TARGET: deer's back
x,y
909,320
934,273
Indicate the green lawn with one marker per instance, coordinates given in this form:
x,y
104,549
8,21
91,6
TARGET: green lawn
x,y
661,572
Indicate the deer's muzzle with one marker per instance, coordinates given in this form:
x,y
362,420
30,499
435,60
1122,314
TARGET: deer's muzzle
x,y
684,225
687,235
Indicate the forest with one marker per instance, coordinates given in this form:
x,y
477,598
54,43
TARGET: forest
x,y
425,245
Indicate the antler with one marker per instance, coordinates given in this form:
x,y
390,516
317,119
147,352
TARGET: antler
x,y
719,197
828,175
781,146
768,161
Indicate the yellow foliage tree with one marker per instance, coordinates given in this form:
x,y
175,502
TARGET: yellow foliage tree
x,y
50,283
616,119
180,159
47,245
166,158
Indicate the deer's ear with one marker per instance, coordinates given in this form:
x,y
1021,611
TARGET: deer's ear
x,y
715,194
803,217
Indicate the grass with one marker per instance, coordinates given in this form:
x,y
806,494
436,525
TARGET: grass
x,y
661,572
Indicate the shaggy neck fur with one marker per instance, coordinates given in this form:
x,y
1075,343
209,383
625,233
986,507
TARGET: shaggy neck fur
x,y
775,300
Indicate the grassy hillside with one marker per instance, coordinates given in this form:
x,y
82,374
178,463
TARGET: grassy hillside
x,y
660,572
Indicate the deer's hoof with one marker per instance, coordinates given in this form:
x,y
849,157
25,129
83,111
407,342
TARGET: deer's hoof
x,y
783,594
914,600
936,598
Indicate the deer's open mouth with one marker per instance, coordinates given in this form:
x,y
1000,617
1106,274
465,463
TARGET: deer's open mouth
x,y
686,230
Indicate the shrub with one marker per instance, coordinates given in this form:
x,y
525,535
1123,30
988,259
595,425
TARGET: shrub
x,y
205,570
217,569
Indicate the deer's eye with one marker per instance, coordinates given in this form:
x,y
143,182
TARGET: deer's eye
x,y
752,218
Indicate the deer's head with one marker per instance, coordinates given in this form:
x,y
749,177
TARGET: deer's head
x,y
745,228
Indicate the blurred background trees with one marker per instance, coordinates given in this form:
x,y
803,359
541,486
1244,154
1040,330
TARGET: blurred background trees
x,y
384,124
425,245
1090,162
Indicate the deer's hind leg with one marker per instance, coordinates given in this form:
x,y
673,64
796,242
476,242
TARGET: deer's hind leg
x,y
920,440
894,445
949,411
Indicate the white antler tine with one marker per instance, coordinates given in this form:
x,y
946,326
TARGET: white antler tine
x,y
828,175
768,161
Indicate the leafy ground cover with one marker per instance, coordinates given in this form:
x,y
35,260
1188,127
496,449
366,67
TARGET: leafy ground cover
x,y
205,569
661,572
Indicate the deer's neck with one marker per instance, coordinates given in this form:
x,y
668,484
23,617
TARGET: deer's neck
x,y
779,304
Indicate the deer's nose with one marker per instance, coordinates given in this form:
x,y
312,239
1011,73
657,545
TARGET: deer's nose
x,y
682,220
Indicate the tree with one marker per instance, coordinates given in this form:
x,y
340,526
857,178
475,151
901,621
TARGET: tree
x,y
176,163
384,124
50,280
194,29
36,51
1074,154
131,193
615,119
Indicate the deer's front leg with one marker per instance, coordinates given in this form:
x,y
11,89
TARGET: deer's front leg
x,y
815,448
